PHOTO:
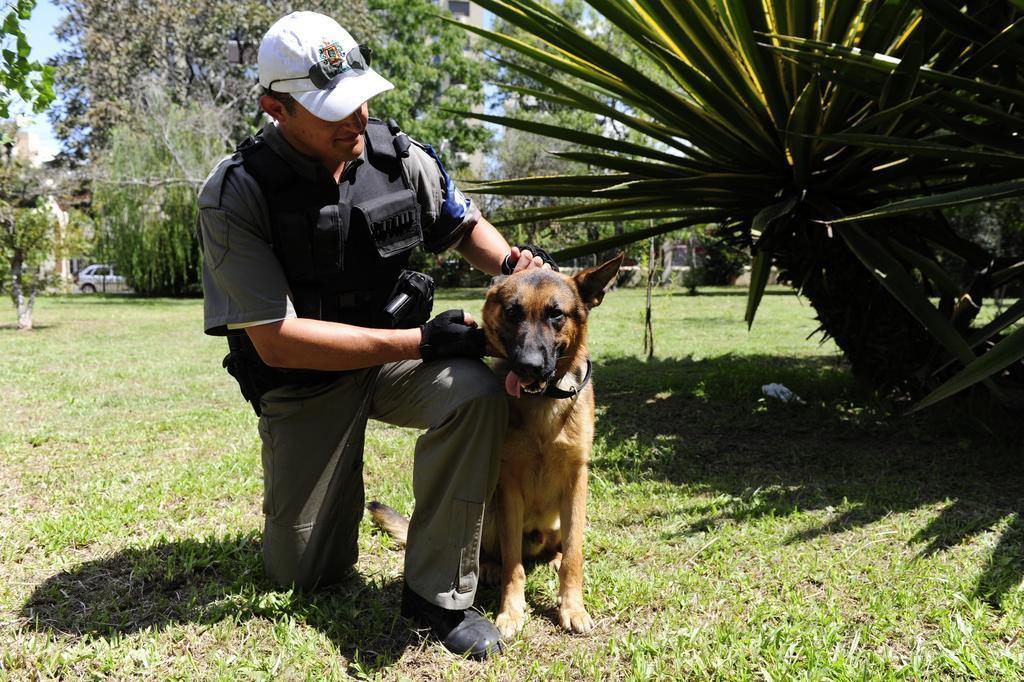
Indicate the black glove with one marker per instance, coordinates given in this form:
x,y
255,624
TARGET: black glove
x,y
507,266
448,336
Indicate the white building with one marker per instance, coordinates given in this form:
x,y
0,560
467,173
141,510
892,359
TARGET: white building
x,y
26,147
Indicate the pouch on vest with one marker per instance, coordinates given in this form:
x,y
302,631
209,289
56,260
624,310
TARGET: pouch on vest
x,y
393,220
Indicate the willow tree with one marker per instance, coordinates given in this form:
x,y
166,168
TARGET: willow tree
x,y
145,190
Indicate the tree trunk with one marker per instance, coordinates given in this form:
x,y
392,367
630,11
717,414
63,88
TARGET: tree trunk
x,y
648,325
666,263
23,307
883,342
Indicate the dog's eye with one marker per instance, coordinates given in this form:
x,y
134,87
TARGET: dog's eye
x,y
513,313
554,314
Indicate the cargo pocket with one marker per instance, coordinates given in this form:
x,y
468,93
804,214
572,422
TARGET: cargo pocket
x,y
277,407
467,524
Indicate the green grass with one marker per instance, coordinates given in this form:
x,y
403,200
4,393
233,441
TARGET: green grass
x,y
730,536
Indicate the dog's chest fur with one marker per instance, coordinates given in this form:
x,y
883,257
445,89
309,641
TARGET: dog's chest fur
x,y
548,439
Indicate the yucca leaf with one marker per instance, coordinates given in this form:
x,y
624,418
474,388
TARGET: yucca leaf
x,y
927,265
750,126
968,106
638,91
894,277
1005,353
760,271
900,85
1008,39
839,16
628,216
1000,277
989,135
746,18
542,95
604,70
609,243
767,216
999,323
805,110
913,147
961,24
884,25
691,32
574,136
872,65
583,209
655,129
700,189
555,185
960,197
620,163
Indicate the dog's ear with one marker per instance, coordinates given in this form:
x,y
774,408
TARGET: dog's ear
x,y
592,281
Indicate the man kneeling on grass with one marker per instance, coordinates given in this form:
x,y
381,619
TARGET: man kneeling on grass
x,y
306,233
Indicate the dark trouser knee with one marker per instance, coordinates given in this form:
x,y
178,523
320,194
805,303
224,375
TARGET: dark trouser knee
x,y
313,558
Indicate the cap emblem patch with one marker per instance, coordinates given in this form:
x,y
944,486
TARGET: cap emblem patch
x,y
332,58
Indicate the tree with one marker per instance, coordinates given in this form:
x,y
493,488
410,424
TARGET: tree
x,y
826,137
33,231
199,51
114,45
427,60
20,77
145,189
25,238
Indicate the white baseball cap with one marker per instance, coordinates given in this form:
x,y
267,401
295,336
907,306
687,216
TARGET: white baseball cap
x,y
311,57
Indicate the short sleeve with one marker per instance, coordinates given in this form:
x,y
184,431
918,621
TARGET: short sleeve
x,y
242,278
447,214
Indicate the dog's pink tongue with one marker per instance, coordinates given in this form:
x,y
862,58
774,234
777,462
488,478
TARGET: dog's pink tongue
x,y
512,384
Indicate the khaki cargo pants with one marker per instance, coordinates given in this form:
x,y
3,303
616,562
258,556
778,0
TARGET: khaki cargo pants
x,y
313,472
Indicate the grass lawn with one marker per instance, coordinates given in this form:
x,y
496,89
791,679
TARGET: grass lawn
x,y
730,536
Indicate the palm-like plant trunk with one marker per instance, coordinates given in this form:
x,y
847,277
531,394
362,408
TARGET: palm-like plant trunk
x,y
883,342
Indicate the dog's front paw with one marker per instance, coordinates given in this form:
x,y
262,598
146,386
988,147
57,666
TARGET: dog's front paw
x,y
510,623
575,619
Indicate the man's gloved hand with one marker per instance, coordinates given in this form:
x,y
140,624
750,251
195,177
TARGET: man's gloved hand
x,y
509,264
452,334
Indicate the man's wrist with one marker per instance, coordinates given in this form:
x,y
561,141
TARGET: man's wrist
x,y
505,265
412,341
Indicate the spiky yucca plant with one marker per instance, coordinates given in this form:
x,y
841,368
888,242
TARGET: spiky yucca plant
x,y
826,135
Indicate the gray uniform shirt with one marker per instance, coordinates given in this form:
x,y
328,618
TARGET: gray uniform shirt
x,y
243,282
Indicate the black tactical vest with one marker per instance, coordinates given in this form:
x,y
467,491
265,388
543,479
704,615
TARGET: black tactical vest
x,y
342,245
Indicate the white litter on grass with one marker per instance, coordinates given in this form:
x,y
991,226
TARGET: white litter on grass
x,y
780,392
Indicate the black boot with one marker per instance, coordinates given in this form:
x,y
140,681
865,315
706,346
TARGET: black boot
x,y
463,632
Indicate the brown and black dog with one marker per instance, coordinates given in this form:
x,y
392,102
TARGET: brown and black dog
x,y
536,323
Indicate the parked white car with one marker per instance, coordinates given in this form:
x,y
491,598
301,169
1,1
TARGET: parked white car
x,y
100,277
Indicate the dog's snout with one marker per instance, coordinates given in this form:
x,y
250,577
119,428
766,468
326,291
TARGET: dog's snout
x,y
528,370
529,364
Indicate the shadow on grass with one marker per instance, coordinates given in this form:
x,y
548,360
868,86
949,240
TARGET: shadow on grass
x,y
209,580
705,424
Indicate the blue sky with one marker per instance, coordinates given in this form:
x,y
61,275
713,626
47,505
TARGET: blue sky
x,y
39,31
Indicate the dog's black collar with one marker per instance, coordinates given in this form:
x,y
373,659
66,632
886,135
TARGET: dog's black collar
x,y
553,391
